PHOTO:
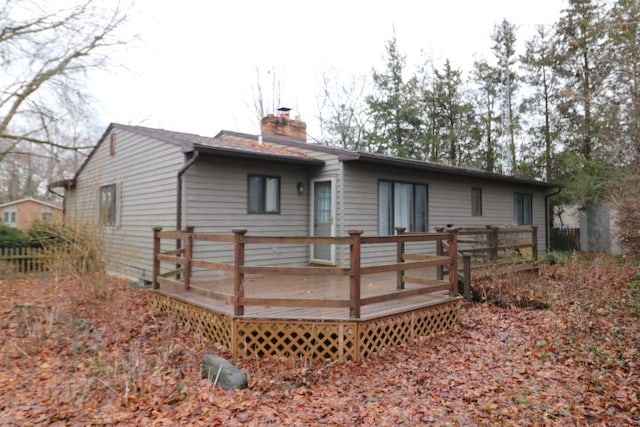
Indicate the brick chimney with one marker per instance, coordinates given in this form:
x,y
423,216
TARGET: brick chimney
x,y
283,125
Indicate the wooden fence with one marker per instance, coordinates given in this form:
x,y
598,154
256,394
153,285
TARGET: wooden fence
x,y
239,240
565,239
22,260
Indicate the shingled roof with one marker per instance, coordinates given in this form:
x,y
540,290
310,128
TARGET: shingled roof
x,y
287,150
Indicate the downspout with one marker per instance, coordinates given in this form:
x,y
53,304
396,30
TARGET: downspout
x,y
179,196
547,228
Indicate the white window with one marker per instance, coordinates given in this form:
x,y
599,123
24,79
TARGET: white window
x,y
107,205
9,218
522,212
401,204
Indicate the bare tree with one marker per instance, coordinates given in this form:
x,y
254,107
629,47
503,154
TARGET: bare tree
x,y
342,111
266,93
45,55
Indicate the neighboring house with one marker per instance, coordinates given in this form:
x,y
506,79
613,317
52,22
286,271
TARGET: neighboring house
x,y
277,184
24,212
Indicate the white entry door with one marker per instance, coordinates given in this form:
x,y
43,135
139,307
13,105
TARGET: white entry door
x,y
322,220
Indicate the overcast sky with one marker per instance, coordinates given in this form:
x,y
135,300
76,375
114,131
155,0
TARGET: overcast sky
x,y
194,66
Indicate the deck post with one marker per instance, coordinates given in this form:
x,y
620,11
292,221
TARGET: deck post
x,y
400,258
534,242
439,252
156,261
466,273
238,275
493,242
354,279
453,266
188,256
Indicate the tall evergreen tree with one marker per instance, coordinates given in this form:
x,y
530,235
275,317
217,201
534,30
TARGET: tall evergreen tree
x,y
451,111
504,49
394,108
487,128
539,107
583,62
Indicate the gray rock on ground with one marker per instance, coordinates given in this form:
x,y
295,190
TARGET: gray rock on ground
x,y
223,373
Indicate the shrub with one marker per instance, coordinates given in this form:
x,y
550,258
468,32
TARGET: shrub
x,y
554,257
11,237
75,249
43,234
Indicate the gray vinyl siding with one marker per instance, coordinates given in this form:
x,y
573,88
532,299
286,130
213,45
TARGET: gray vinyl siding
x,y
216,202
144,171
332,169
449,202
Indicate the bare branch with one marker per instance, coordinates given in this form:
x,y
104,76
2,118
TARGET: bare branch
x,y
19,138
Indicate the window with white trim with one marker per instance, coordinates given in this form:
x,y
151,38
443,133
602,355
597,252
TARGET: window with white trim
x,y
9,218
107,205
523,208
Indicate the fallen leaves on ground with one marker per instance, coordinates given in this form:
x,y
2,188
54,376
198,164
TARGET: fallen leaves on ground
x,y
68,357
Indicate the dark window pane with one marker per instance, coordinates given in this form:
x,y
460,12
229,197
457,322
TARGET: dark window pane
x,y
384,208
256,196
476,202
420,214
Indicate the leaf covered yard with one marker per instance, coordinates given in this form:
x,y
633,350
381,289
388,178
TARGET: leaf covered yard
x,y
92,352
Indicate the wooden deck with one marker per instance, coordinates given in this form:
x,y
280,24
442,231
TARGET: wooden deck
x,y
347,312
337,312
304,289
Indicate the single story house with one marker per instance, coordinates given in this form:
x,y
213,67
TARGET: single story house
x,y
23,213
276,183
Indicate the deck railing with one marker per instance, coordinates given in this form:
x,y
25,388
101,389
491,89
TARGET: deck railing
x,y
490,246
405,261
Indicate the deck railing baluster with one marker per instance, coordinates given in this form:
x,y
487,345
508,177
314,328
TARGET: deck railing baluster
x,y
453,266
238,275
188,256
156,260
354,279
400,258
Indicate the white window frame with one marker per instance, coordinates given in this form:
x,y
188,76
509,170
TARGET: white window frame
x,y
109,216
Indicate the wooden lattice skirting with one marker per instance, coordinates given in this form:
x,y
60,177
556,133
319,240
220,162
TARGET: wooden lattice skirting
x,y
327,339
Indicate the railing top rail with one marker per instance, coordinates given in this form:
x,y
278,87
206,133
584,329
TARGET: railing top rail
x,y
305,240
406,238
176,234
296,240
